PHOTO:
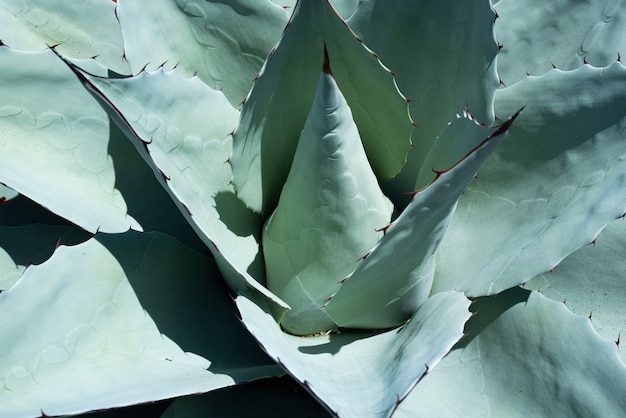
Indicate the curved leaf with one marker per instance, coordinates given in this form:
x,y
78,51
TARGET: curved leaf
x,y
265,140
329,214
396,277
36,24
53,143
188,300
224,43
590,282
548,190
184,135
78,339
527,356
561,33
444,54
362,374
21,246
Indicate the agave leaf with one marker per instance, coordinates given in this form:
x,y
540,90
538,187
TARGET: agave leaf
x,y
9,271
561,33
29,234
35,24
184,134
330,212
188,300
54,143
265,140
396,277
31,244
6,194
76,338
362,373
591,282
526,356
147,200
548,190
444,62
223,42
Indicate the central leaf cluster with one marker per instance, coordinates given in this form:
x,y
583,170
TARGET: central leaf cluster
x,y
330,213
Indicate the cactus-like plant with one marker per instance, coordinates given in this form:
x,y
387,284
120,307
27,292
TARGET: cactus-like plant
x,y
378,185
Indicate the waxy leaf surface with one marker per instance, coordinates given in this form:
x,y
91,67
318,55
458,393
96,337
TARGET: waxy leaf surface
x,y
75,338
330,213
53,143
184,133
265,140
396,277
560,33
223,42
444,57
80,30
525,355
362,374
549,189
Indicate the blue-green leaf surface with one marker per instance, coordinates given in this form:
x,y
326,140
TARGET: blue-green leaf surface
x,y
525,355
265,140
81,30
33,243
393,280
591,282
184,133
75,338
444,55
330,213
362,374
223,42
563,33
53,143
549,189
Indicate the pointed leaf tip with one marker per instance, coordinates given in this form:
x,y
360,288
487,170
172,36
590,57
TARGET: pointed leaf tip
x,y
328,214
326,65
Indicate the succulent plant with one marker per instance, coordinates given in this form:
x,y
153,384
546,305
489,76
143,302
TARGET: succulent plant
x,y
391,201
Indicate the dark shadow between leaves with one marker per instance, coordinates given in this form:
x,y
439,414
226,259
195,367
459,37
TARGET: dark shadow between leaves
x,y
243,222
188,300
487,309
336,341
236,216
30,233
147,201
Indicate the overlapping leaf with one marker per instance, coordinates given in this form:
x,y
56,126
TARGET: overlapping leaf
x,y
265,140
330,212
223,42
549,189
362,374
53,143
444,56
396,278
184,134
81,30
563,33
591,282
75,338
526,356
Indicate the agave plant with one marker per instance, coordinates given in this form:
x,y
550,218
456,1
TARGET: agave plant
x,y
365,195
